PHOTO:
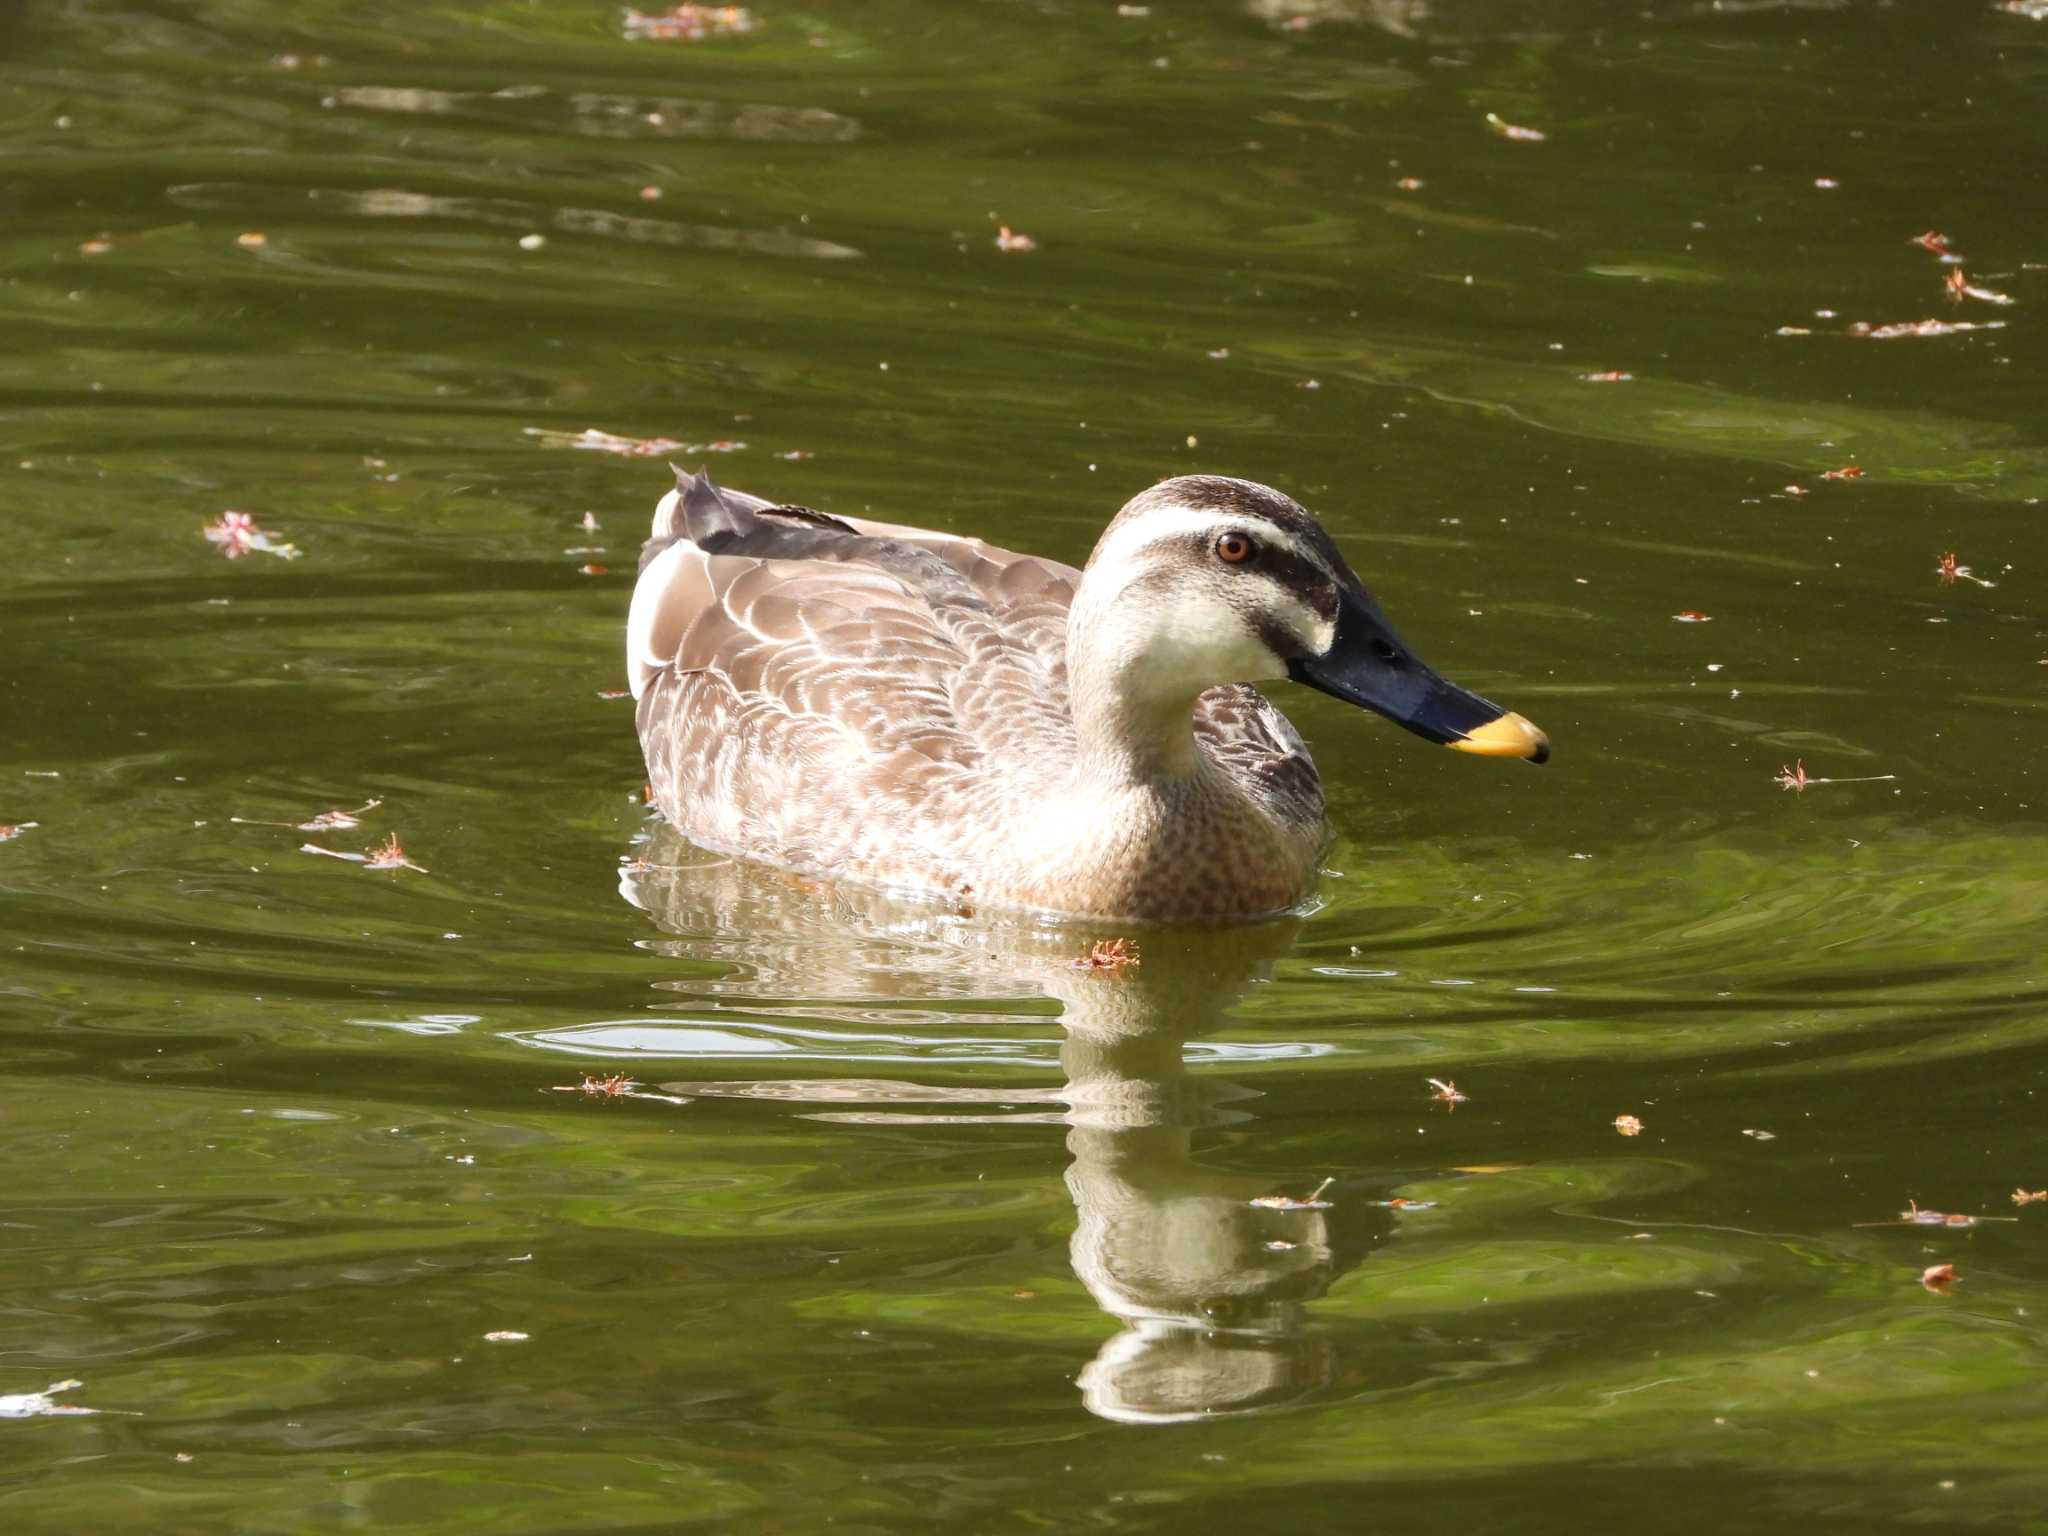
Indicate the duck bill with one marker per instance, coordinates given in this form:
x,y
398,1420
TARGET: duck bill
x,y
1368,665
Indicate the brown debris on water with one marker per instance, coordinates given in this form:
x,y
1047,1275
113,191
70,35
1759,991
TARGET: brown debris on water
x,y
1846,472
1445,1091
1108,955
1959,287
606,1085
1798,780
325,821
1950,572
1938,1278
1313,1201
1514,131
687,23
236,534
43,1404
1628,1125
386,855
9,832
592,440
1868,332
2025,1196
1918,1215
1008,239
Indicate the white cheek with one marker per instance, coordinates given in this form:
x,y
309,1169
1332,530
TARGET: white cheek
x,y
1204,641
1316,633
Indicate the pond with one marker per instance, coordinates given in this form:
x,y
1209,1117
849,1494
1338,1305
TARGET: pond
x,y
1592,1151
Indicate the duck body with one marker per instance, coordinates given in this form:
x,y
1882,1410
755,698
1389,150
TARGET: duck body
x,y
929,713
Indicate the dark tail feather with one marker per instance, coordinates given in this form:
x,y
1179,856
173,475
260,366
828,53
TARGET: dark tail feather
x,y
704,512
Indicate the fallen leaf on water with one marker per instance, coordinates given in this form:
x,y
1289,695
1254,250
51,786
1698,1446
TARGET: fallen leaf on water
x,y
1846,472
1628,1125
610,1085
1918,1215
1796,778
1108,955
1960,288
1793,330
1930,240
1023,1294
1950,572
1446,1092
1514,131
237,534
1692,616
506,1336
323,822
1410,183
688,23
1869,332
9,833
1313,1201
797,455
2025,1196
593,570
1761,1135
1796,490
1938,1277
595,441
1488,1167
37,1405
1611,376
388,855
1008,239
1403,1203
95,247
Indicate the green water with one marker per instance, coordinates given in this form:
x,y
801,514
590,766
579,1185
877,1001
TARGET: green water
x,y
912,1225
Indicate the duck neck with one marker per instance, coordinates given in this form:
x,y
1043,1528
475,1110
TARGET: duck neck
x,y
1135,727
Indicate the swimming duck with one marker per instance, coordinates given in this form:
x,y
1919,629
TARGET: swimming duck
x,y
925,712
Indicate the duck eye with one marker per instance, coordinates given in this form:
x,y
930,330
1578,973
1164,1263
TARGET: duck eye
x,y
1235,548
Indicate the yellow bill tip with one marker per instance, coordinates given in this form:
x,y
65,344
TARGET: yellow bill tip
x,y
1509,736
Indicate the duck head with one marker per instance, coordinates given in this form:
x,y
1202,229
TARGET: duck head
x,y
1204,580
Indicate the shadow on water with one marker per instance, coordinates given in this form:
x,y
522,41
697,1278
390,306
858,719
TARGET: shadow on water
x,y
1210,1274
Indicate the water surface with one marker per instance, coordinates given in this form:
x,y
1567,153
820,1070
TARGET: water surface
x,y
908,1223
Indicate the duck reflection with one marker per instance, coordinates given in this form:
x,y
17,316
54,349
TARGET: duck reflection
x,y
1210,1287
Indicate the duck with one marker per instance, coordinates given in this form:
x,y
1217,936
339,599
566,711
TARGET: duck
x,y
931,715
